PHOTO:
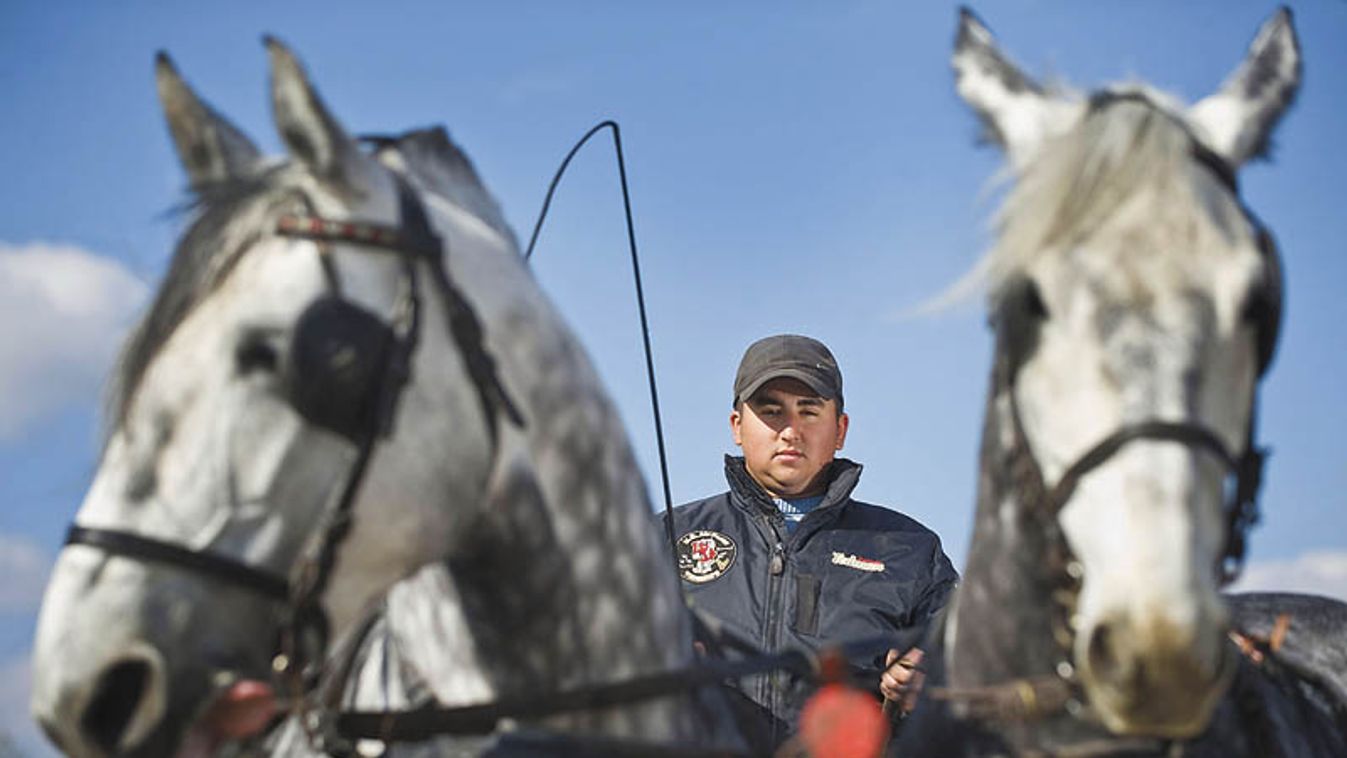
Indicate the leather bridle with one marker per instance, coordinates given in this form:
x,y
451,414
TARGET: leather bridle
x,y
1037,697
304,629
1241,510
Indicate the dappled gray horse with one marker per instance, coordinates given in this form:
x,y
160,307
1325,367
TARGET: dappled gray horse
x,y
349,374
1135,303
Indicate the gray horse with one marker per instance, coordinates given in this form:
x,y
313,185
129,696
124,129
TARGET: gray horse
x,y
1135,303
348,374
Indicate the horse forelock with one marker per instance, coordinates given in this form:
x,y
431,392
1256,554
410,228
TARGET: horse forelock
x,y
226,217
229,215
1125,183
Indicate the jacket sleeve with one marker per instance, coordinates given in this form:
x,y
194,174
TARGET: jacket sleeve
x,y
943,580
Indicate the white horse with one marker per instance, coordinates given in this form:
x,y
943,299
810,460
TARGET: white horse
x,y
348,374
1135,303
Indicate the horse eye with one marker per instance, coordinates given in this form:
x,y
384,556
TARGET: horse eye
x,y
1256,307
1028,301
255,353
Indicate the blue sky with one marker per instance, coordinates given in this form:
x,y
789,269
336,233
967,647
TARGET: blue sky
x,y
794,167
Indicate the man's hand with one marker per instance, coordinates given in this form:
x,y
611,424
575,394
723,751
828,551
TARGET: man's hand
x,y
901,681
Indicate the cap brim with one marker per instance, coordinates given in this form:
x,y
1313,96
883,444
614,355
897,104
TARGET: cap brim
x,y
809,380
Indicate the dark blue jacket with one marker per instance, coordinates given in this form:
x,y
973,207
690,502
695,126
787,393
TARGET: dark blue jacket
x,y
851,571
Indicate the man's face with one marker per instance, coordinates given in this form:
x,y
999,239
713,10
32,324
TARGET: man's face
x,y
789,435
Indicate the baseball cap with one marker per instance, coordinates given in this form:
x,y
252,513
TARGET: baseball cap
x,y
788,355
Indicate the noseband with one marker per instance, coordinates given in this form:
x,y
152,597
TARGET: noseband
x,y
304,631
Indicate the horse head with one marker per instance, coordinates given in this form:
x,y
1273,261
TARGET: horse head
x,y
307,393
1135,303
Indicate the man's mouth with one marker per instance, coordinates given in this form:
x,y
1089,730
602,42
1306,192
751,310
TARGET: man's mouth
x,y
790,454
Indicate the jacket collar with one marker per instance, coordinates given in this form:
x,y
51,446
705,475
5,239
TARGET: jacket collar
x,y
843,476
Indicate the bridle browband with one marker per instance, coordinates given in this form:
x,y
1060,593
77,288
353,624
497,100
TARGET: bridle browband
x,y
1033,698
304,629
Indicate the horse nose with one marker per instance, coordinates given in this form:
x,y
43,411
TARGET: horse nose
x,y
1153,675
1109,662
128,701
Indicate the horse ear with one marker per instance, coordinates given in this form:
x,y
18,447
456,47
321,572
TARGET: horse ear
x,y
211,149
1238,119
1014,108
309,131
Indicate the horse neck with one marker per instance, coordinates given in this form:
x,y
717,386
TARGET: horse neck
x,y
561,579
562,587
1001,624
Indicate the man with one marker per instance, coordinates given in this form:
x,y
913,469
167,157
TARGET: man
x,y
786,559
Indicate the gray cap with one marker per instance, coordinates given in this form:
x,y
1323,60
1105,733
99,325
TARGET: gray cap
x,y
793,356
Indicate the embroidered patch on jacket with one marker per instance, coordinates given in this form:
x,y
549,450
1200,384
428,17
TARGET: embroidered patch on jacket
x,y
704,555
860,564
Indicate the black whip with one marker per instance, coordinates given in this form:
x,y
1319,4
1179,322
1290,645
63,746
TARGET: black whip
x,y
640,302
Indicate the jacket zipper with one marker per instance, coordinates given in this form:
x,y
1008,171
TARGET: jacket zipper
x,y
776,569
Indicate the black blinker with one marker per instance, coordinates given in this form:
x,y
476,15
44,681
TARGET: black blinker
x,y
337,354
1269,323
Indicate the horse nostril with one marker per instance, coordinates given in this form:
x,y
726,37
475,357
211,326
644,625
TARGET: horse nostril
x,y
1103,657
114,703
53,734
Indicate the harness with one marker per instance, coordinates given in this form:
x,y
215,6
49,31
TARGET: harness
x,y
348,371
1036,698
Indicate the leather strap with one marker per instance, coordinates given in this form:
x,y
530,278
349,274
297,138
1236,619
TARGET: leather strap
x,y
217,567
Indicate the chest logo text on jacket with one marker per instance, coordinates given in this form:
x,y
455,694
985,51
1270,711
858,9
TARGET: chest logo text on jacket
x,y
856,562
705,555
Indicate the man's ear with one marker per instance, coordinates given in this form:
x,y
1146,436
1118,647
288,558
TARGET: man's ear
x,y
736,419
843,423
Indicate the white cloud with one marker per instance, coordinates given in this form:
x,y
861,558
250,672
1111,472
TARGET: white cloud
x,y
16,722
63,312
1321,572
25,568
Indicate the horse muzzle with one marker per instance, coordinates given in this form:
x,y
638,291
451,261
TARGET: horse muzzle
x,y
1154,677
124,666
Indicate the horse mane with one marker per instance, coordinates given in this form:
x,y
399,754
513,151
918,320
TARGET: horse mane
x,y
230,215
1125,180
432,158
